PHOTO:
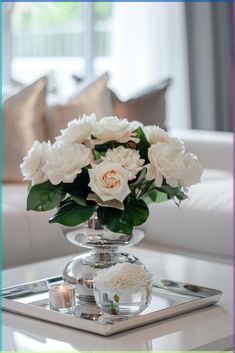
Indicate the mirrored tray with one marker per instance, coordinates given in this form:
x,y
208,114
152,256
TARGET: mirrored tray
x,y
169,299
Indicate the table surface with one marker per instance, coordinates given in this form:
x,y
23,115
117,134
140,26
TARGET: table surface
x,y
205,329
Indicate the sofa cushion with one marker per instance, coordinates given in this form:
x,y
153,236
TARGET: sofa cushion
x,y
92,98
213,148
203,223
148,106
15,240
27,236
23,122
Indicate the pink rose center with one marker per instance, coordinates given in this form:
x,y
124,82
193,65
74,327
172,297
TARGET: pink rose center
x,y
110,179
161,139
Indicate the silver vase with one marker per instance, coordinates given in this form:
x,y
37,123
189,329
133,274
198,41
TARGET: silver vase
x,y
104,252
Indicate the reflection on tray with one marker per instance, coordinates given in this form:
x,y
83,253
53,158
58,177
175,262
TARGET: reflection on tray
x,y
169,299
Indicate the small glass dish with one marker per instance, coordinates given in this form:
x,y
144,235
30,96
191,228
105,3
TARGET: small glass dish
x,y
123,303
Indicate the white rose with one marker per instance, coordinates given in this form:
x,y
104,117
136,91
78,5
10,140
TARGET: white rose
x,y
31,167
165,161
134,124
113,129
65,162
127,158
78,130
155,135
109,181
192,171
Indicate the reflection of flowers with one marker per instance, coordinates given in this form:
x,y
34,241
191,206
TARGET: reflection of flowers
x,y
116,298
114,305
112,236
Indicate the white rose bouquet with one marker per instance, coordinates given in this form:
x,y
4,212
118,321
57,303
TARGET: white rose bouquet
x,y
111,167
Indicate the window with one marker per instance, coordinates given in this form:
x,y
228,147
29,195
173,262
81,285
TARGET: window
x,y
139,43
65,37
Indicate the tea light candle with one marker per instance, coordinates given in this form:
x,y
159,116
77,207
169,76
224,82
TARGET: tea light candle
x,y
62,298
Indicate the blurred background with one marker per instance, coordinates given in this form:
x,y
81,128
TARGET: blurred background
x,y
139,44
162,63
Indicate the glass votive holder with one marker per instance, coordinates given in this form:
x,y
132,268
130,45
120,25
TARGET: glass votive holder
x,y
124,303
62,298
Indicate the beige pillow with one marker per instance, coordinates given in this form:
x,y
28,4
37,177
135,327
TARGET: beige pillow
x,y
149,106
93,98
23,122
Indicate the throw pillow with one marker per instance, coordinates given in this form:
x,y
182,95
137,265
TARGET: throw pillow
x,y
148,106
23,121
94,97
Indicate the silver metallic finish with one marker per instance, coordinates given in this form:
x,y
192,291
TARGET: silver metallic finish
x,y
104,252
169,299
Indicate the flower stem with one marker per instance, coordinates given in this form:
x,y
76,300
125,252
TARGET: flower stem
x,y
146,188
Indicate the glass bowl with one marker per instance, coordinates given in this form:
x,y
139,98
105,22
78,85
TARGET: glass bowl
x,y
123,303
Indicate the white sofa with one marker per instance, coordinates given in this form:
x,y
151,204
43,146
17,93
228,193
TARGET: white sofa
x,y
202,226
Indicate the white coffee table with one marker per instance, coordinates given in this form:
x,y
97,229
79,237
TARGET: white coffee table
x,y
206,329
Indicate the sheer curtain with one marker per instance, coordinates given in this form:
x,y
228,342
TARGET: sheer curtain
x,y
149,44
7,8
210,30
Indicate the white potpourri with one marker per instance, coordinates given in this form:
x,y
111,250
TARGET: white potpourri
x,y
123,276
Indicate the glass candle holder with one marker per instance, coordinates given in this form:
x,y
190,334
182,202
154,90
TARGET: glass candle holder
x,y
62,298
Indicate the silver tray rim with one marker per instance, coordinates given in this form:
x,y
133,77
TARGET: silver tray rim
x,y
110,328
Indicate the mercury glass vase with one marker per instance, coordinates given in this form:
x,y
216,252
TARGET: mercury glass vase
x,y
105,250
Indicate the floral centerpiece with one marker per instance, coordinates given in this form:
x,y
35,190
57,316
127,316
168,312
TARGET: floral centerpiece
x,y
111,167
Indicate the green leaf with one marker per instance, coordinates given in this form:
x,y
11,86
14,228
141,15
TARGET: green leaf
x,y
169,190
140,176
71,214
143,144
116,298
97,155
173,192
135,212
101,149
154,196
45,196
79,189
79,199
181,195
110,217
112,203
